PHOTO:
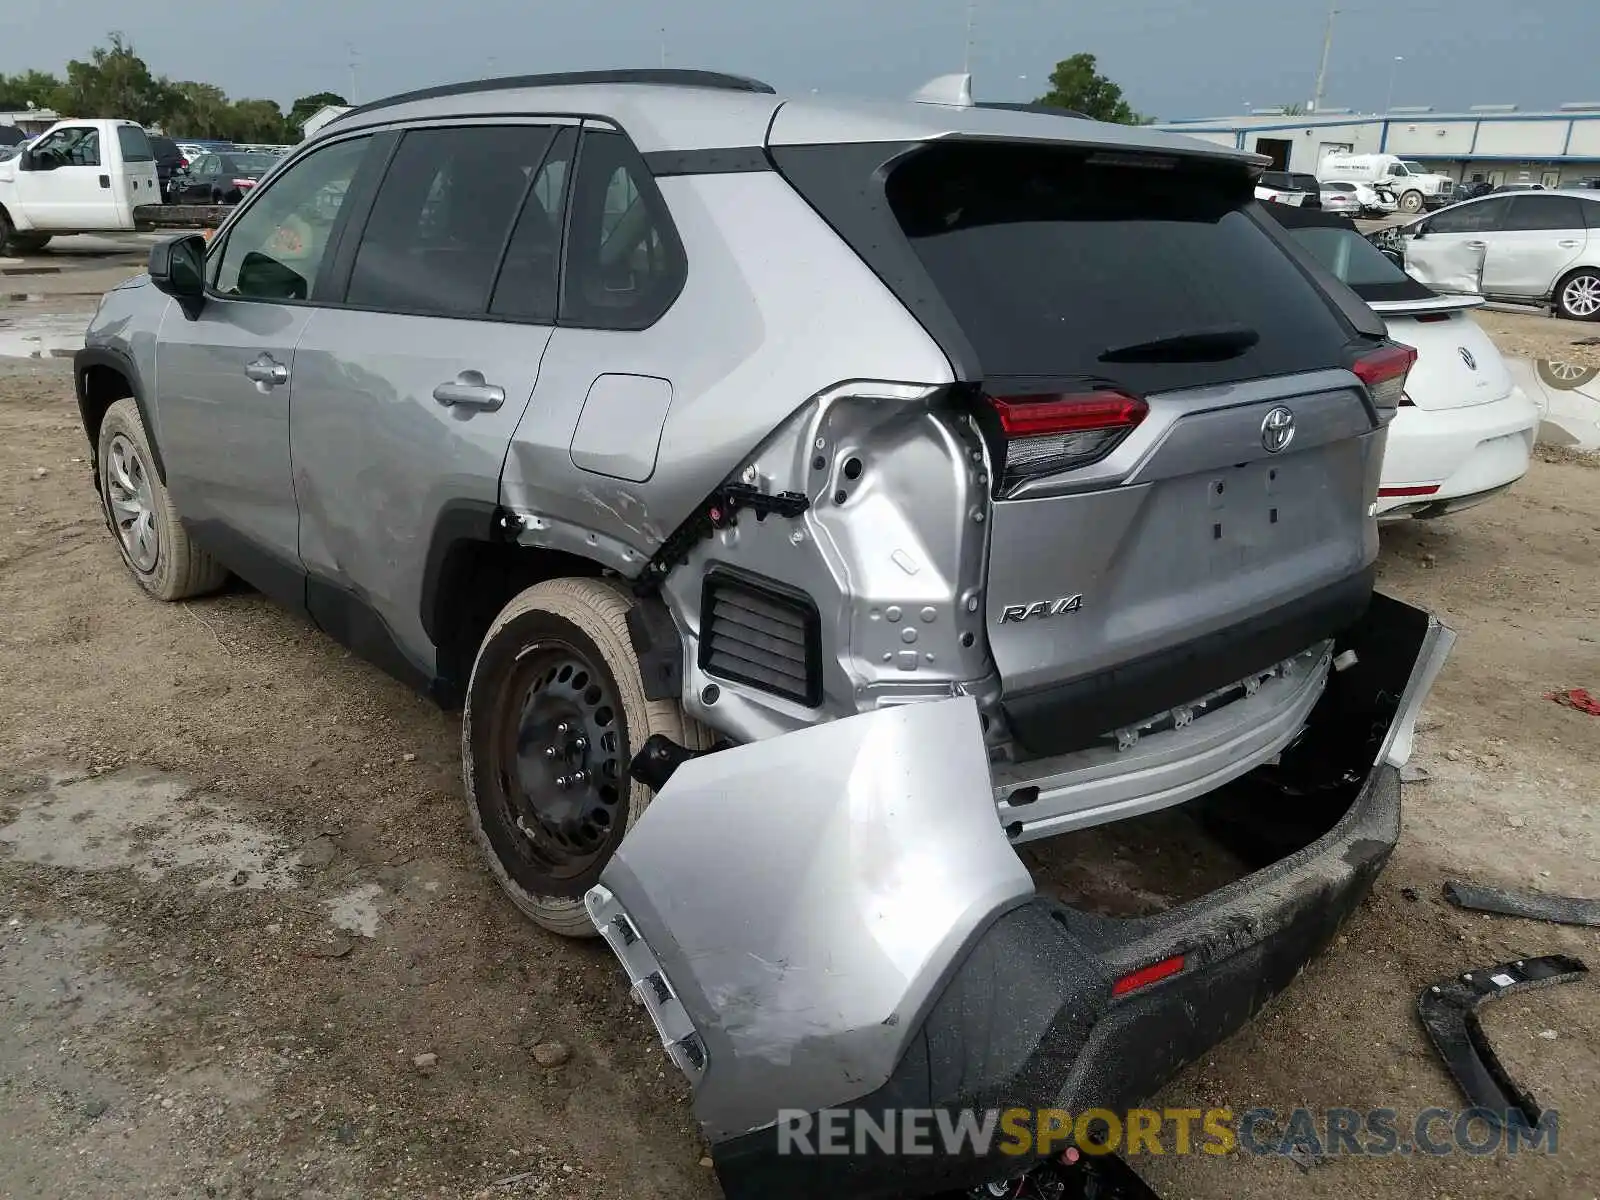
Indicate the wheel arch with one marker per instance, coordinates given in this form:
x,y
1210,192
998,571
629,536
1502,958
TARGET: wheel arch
x,y
102,375
472,570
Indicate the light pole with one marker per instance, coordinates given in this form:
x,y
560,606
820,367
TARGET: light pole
x,y
1394,69
1327,45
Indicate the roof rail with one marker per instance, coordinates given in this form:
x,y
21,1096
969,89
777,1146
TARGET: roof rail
x,y
655,76
1048,110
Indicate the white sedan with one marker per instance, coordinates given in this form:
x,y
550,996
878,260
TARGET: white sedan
x,y
1465,431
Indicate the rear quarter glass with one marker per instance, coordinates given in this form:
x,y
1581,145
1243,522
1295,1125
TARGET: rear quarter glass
x,y
1049,257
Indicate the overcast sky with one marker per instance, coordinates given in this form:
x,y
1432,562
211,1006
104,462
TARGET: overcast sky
x,y
1174,58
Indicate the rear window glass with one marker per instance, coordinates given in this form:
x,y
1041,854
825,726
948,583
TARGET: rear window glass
x,y
1049,259
1305,182
135,144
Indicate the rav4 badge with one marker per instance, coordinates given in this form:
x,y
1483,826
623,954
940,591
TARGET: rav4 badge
x,y
1040,608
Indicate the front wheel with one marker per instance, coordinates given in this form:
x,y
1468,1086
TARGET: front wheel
x,y
154,544
1578,295
1411,202
555,711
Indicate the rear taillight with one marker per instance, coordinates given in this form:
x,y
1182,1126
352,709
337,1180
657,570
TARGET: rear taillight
x,y
1384,372
1050,433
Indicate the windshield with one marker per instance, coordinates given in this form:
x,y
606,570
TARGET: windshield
x,y
1413,168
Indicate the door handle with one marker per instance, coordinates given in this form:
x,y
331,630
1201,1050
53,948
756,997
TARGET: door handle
x,y
1569,244
105,181
1475,245
468,390
267,370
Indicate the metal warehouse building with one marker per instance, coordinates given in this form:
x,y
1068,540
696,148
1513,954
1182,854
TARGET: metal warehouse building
x,y
1496,143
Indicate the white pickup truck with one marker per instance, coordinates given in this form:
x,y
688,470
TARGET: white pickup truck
x,y
76,177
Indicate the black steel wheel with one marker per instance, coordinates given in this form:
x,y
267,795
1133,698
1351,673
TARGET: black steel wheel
x,y
555,710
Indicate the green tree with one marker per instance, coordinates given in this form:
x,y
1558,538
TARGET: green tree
x,y
38,88
202,110
115,82
308,106
258,121
1076,83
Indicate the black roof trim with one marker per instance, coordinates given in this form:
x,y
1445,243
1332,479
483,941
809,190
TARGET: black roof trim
x,y
655,76
1048,110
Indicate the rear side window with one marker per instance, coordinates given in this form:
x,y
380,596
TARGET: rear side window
x,y
625,265
134,144
442,216
526,288
1544,212
1052,259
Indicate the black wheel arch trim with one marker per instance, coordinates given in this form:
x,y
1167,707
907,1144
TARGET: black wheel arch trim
x,y
122,363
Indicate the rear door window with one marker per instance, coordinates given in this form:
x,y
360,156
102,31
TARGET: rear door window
x,y
527,286
1477,217
442,216
1050,259
1544,212
134,144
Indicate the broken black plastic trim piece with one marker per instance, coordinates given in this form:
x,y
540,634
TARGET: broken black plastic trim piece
x,y
1449,1012
660,756
720,510
1096,1177
1512,902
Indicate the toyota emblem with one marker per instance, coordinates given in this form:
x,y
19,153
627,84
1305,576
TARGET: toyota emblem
x,y
1466,357
1277,429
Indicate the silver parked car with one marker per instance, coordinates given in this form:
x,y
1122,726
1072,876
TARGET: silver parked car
x,y
1532,247
867,488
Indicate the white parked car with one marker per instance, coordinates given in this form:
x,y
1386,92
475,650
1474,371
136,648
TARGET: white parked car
x,y
1465,431
1289,187
1376,199
1530,247
1341,198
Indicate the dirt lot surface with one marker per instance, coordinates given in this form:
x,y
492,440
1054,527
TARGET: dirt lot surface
x,y
246,949
1529,334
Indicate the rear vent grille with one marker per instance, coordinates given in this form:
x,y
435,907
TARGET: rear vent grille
x,y
758,632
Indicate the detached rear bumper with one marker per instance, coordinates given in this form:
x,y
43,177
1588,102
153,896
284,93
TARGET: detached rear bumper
x,y
842,934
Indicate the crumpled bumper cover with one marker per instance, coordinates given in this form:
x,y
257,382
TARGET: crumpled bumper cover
x,y
833,919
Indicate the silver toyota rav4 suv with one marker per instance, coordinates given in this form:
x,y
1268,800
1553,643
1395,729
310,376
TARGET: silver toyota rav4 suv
x,y
877,486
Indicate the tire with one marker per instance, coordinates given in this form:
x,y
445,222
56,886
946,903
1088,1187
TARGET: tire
x,y
163,561
528,707
1411,202
30,243
8,234
1578,295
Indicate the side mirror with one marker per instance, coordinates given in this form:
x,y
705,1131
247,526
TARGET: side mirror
x,y
1397,258
26,161
1419,230
178,267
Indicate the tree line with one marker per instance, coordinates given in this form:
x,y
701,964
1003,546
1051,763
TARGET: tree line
x,y
115,82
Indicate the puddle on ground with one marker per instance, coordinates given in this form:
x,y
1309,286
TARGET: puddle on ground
x,y
42,335
152,823
1568,396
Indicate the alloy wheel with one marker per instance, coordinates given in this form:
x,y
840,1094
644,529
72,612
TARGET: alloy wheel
x,y
132,503
1581,296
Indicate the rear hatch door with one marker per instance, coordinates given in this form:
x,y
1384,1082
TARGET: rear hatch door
x,y
1217,521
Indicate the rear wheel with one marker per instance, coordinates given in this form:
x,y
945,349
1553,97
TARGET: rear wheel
x,y
555,710
14,242
1578,295
1411,202
155,547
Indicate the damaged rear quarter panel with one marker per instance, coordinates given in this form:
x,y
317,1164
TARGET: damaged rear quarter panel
x,y
775,310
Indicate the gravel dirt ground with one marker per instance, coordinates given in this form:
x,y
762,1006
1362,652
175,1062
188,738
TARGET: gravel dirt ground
x,y
246,949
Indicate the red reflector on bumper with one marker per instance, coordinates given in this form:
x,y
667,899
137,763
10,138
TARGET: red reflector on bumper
x,y
1417,489
1145,976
